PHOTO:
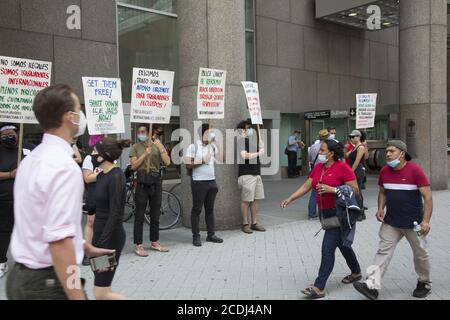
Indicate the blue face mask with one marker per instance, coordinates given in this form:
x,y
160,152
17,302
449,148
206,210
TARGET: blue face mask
x,y
142,137
394,163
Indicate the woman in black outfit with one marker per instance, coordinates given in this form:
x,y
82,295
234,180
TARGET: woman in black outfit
x,y
110,195
356,161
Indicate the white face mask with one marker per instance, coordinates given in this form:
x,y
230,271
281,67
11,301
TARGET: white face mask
x,y
250,132
332,136
81,125
322,159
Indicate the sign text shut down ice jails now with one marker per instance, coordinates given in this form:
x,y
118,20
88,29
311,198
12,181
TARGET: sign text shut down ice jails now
x,y
103,102
20,81
151,97
365,110
211,94
253,103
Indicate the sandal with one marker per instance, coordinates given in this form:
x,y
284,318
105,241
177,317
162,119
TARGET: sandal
x,y
140,251
159,248
311,293
350,278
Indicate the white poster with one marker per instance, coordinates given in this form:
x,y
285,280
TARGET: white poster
x,y
151,97
254,106
20,81
365,110
103,103
211,94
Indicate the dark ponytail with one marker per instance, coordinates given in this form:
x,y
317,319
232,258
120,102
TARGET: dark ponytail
x,y
336,147
111,149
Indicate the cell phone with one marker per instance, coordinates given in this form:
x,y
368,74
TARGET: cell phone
x,y
103,262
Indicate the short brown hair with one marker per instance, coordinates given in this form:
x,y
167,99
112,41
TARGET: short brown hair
x,y
50,105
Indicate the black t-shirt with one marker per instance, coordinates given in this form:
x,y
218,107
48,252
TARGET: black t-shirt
x,y
8,162
251,166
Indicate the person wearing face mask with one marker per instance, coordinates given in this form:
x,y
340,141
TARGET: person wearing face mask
x,y
406,194
200,159
91,168
47,239
8,167
250,181
356,162
329,174
332,132
110,194
146,158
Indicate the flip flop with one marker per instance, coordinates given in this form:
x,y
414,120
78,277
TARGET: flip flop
x,y
160,249
350,279
310,293
141,252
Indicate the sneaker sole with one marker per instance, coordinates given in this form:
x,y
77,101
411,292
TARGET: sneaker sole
x,y
365,294
421,297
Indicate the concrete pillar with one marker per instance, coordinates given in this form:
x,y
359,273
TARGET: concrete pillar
x,y
212,34
423,85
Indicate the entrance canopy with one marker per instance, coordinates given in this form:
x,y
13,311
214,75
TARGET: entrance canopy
x,y
353,13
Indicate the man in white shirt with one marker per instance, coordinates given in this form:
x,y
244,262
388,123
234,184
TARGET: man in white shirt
x,y
200,158
47,240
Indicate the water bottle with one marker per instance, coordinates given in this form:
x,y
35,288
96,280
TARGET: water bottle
x,y
422,239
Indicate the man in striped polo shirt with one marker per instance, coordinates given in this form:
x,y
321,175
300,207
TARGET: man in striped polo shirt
x,y
405,192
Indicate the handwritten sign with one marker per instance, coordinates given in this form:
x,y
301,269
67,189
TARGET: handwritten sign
x,y
20,81
211,94
365,110
151,97
254,106
103,102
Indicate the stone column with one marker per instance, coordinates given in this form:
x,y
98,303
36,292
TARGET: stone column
x,y
423,85
212,35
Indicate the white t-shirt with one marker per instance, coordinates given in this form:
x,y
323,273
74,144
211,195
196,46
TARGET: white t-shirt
x,y
87,165
205,172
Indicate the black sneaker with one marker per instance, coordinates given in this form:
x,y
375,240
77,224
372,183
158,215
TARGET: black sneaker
x,y
196,241
362,288
214,239
422,290
86,261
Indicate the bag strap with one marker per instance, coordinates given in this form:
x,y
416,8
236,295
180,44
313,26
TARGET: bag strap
x,y
315,160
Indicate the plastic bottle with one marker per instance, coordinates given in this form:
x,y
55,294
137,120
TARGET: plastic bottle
x,y
422,239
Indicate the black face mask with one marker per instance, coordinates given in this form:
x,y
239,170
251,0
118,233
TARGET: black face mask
x,y
95,162
9,141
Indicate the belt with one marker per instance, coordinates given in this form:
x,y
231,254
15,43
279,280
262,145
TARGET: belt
x,y
22,266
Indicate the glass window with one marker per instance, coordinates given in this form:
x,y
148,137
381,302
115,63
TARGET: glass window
x,y
250,14
146,40
250,55
379,132
160,5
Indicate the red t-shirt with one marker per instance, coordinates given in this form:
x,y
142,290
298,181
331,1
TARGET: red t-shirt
x,y
335,176
350,147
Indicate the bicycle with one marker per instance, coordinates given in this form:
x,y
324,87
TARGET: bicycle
x,y
171,209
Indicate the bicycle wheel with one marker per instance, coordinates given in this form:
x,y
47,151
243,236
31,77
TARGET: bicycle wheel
x,y
171,211
176,190
129,204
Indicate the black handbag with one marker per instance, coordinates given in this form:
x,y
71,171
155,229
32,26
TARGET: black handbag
x,y
331,222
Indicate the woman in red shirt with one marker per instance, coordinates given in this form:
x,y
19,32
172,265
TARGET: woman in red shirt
x,y
329,174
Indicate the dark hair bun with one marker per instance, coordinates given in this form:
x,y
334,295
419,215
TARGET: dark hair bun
x,y
124,143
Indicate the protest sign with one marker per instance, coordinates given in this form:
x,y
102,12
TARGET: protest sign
x,y
253,103
211,94
151,97
365,110
103,103
20,81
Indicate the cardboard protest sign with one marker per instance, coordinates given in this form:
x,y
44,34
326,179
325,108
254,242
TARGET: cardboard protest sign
x,y
151,98
20,81
253,102
211,94
103,103
365,110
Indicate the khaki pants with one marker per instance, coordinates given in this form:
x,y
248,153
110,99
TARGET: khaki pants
x,y
389,238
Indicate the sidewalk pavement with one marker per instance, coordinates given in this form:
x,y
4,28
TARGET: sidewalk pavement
x,y
276,264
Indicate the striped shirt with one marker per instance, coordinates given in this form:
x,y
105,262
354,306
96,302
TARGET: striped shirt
x,y
404,202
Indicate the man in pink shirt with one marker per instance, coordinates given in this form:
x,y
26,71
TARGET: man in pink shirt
x,y
47,241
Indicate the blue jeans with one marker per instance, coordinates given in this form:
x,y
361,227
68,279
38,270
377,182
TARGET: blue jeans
x,y
312,210
332,240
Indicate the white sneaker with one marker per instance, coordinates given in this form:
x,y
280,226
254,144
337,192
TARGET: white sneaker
x,y
3,269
